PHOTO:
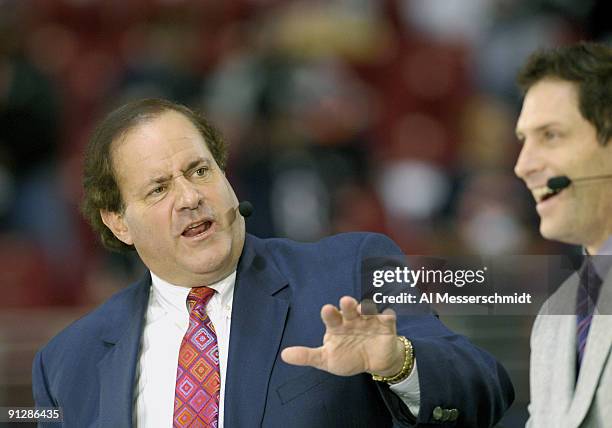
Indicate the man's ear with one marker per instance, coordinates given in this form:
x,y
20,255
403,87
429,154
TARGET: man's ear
x,y
116,223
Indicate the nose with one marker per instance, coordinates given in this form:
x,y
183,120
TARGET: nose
x,y
188,196
528,161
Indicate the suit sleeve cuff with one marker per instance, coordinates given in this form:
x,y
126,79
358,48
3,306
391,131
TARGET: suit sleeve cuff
x,y
408,391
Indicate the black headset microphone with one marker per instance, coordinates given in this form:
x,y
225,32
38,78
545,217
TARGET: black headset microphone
x,y
245,208
560,182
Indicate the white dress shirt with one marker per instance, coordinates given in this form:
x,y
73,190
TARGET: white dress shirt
x,y
602,261
166,322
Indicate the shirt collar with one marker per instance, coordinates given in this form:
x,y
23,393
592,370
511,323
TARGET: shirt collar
x,y
604,263
606,248
174,297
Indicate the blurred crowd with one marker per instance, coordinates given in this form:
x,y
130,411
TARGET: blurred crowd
x,y
395,116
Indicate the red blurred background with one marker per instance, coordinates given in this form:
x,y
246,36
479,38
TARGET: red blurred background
x,y
394,116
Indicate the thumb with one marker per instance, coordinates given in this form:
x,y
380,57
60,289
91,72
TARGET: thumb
x,y
302,356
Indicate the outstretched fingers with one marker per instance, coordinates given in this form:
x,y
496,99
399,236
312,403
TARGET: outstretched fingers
x,y
348,307
388,319
331,316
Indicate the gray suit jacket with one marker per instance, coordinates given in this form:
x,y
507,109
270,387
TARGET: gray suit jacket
x,y
558,399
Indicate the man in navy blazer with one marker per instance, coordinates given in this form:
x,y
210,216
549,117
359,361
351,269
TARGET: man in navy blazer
x,y
154,182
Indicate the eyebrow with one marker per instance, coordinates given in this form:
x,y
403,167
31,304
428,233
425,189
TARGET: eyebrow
x,y
160,179
195,163
540,128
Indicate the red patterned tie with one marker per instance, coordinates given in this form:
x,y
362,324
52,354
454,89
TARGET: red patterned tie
x,y
196,397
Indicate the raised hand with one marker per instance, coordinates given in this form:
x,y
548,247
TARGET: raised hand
x,y
353,343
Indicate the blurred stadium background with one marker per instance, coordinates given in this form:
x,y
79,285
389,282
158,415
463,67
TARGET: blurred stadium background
x,y
393,116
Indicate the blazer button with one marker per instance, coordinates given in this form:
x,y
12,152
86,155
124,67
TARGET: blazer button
x,y
445,414
438,413
454,414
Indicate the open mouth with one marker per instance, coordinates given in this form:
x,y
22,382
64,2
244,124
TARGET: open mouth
x,y
544,193
197,229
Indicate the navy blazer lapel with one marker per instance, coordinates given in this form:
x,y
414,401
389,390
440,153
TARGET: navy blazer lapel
x,y
118,367
258,321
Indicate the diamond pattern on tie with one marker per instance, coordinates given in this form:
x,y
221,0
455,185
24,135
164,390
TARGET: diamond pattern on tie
x,y
588,292
196,400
